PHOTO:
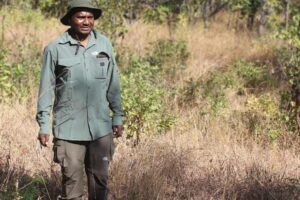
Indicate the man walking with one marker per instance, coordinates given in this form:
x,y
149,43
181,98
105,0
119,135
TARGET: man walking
x,y
80,82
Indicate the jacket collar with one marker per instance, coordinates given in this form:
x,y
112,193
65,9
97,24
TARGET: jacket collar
x,y
67,38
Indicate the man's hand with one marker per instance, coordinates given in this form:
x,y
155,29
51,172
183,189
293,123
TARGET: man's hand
x,y
118,131
44,139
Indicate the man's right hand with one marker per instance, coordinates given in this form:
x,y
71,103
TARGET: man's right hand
x,y
44,139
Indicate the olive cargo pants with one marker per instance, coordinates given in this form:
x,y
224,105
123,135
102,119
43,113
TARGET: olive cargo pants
x,y
74,157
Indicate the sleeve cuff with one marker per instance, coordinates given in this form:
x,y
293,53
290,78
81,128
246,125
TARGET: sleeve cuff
x,y
117,120
44,130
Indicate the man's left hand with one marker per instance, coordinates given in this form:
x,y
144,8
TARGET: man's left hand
x,y
118,131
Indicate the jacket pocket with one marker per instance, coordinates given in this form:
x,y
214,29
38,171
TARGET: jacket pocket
x,y
63,73
63,70
100,65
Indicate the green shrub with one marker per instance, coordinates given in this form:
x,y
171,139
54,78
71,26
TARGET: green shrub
x,y
143,100
169,56
269,122
214,89
189,93
16,79
146,89
289,58
253,75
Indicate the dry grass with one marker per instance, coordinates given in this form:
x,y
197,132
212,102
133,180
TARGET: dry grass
x,y
194,166
209,49
202,159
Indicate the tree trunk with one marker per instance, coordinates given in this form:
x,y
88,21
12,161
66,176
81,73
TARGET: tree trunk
x,y
287,13
263,22
36,4
188,10
171,27
3,31
206,14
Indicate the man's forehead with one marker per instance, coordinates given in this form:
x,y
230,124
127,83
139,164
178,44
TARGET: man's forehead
x,y
82,11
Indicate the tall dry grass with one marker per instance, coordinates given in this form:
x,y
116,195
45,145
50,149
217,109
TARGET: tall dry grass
x,y
199,160
196,166
209,49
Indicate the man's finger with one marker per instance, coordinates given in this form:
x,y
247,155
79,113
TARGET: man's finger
x,y
43,138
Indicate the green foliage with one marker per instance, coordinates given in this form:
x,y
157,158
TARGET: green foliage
x,y
169,56
148,78
32,189
23,187
112,23
214,90
161,12
164,12
53,7
158,15
143,102
16,79
189,93
253,75
292,34
289,58
242,77
268,122
251,83
247,7
145,89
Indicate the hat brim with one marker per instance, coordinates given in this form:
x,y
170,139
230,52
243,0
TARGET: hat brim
x,y
65,19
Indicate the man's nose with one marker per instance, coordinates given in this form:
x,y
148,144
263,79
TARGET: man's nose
x,y
86,21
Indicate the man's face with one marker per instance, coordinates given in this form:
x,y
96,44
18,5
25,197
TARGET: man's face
x,y
82,22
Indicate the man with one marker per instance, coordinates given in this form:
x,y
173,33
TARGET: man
x,y
80,74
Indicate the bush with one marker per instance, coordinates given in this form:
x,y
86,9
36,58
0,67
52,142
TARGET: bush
x,y
289,58
253,75
16,79
189,93
146,88
267,120
214,89
143,100
169,56
255,90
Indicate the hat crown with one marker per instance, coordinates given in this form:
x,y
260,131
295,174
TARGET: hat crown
x,y
80,3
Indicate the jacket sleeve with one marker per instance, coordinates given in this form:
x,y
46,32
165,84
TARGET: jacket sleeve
x,y
46,92
114,92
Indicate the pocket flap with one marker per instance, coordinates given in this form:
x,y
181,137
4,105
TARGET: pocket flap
x,y
69,62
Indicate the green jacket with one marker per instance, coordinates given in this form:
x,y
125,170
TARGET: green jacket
x,y
82,86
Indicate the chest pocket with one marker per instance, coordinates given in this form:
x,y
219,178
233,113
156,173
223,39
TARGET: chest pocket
x,y
64,71
101,65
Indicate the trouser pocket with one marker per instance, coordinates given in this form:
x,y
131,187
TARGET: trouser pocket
x,y
100,153
58,151
70,156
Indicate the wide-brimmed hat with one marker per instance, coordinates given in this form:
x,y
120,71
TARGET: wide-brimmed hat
x,y
77,4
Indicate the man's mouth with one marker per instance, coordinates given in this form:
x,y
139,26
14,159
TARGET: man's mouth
x,y
85,28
